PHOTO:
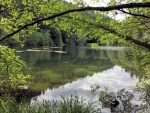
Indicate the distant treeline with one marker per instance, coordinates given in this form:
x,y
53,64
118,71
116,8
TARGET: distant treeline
x,y
48,37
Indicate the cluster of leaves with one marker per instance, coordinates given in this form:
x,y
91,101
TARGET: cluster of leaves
x,y
42,38
12,69
144,86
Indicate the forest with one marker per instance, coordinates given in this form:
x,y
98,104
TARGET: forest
x,y
57,23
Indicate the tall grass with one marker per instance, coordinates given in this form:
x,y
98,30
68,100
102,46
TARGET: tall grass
x,y
72,104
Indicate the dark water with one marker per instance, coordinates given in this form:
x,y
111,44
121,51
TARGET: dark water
x,y
72,69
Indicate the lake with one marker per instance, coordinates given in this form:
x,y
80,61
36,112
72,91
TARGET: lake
x,y
75,69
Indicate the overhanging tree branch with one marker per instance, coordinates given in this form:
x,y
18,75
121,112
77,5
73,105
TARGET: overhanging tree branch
x,y
112,31
110,8
127,38
133,14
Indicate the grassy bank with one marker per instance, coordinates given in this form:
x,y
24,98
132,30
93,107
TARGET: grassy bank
x,y
72,104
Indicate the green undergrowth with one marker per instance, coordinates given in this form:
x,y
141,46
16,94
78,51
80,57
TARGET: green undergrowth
x,y
72,104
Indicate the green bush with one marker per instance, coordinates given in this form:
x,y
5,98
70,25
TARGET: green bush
x,y
11,69
39,38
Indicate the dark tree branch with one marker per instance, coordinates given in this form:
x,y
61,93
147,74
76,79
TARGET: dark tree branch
x,y
110,8
127,38
113,31
133,14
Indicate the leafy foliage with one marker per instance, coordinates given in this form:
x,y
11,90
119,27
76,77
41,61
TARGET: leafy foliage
x,y
92,24
12,68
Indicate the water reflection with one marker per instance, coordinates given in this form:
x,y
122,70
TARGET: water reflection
x,y
115,78
73,69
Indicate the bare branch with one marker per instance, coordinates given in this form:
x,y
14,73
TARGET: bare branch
x,y
133,14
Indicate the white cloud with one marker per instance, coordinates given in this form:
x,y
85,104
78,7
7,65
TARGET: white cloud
x,y
102,3
93,3
115,78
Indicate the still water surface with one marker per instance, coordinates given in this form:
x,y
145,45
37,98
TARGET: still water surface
x,y
72,69
115,78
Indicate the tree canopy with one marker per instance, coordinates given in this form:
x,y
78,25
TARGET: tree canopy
x,y
20,18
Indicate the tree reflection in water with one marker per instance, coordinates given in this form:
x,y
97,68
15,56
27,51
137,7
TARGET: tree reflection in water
x,y
136,62
136,100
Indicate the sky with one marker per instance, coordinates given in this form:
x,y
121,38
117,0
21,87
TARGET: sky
x,y
101,3
93,3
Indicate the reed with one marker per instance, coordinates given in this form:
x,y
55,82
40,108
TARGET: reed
x,y
72,104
